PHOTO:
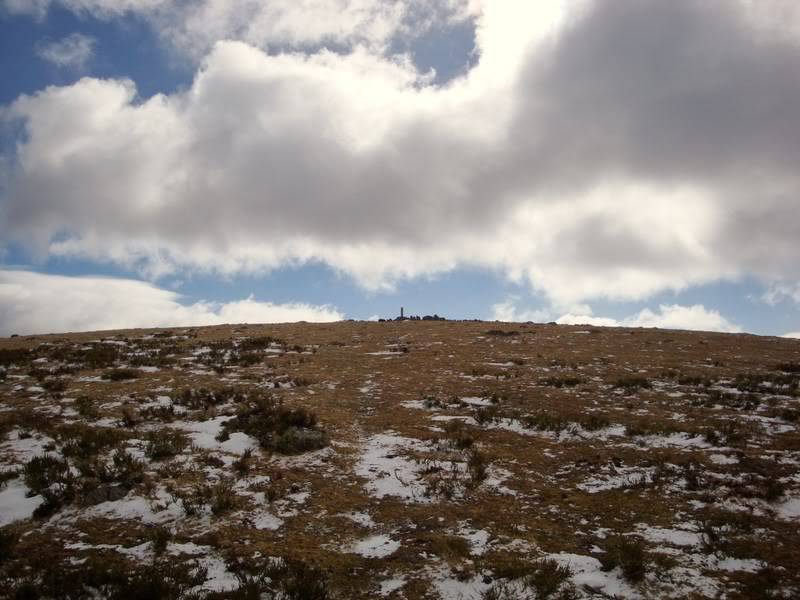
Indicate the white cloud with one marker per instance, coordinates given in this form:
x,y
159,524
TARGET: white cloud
x,y
37,303
587,319
782,291
793,335
669,316
565,158
72,51
507,311
194,27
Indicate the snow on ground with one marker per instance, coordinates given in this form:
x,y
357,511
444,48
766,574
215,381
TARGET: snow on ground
x,y
587,571
449,587
391,585
161,509
475,401
387,472
619,477
15,504
723,459
218,577
204,435
790,509
360,518
479,539
375,546
676,537
675,440
266,521
25,447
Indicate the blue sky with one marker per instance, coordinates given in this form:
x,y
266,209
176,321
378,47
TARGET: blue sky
x,y
280,162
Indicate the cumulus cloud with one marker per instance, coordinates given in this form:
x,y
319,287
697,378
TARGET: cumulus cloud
x,y
193,27
72,51
508,312
597,149
37,303
669,316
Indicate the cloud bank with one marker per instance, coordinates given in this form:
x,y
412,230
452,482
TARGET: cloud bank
x,y
597,149
34,303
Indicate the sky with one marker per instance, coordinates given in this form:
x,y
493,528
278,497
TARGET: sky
x,y
610,162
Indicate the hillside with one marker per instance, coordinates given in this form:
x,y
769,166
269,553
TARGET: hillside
x,y
399,460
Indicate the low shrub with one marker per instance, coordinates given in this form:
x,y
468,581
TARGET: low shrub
x,y
629,555
632,383
121,374
458,435
501,333
8,543
548,577
477,467
277,427
165,443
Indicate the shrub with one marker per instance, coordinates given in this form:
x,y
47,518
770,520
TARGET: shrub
x,y
223,497
548,577
477,467
486,414
632,383
100,356
86,407
44,473
50,477
165,443
14,356
203,398
543,421
300,581
121,374
8,543
83,441
501,333
260,343
458,435
242,464
296,440
160,536
560,382
629,555
54,385
277,427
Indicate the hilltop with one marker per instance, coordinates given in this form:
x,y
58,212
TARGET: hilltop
x,y
412,459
